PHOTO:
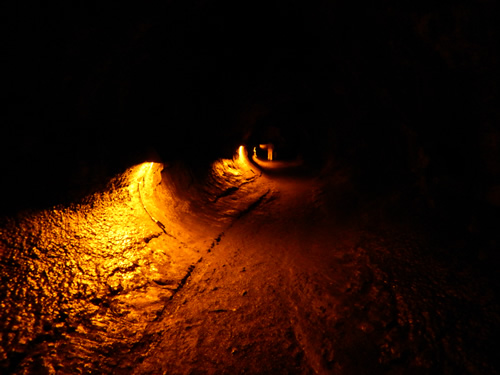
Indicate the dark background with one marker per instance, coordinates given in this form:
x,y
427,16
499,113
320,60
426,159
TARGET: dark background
x,y
404,94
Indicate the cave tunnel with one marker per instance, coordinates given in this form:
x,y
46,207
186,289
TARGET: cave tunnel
x,y
143,230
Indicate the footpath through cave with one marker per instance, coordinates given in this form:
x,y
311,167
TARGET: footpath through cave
x,y
253,269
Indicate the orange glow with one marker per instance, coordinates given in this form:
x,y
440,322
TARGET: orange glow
x,y
115,258
105,249
242,161
270,150
233,168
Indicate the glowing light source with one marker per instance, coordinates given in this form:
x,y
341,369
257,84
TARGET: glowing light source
x,y
270,150
242,162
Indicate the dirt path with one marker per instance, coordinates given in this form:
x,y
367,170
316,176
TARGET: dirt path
x,y
290,290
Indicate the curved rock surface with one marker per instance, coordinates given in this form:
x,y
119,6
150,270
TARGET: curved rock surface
x,y
241,272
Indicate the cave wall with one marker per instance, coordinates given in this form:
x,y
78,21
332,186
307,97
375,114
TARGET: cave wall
x,y
404,94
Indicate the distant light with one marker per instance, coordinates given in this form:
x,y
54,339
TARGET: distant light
x,y
270,150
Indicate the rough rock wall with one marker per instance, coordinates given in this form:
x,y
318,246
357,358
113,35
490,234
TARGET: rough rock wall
x,y
404,93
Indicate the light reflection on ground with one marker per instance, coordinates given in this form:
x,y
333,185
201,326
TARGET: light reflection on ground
x,y
237,272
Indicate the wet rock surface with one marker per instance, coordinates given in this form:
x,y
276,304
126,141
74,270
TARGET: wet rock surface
x,y
245,273
78,281
81,282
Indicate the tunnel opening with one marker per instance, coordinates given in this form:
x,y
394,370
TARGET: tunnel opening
x,y
282,133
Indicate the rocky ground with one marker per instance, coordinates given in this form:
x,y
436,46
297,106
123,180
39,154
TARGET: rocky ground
x,y
250,270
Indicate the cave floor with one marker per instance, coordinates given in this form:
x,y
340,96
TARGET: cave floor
x,y
289,284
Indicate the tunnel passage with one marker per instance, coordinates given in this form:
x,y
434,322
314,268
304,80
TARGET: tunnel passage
x,y
284,131
390,108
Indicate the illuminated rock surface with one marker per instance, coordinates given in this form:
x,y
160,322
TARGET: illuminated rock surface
x,y
384,259
245,273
